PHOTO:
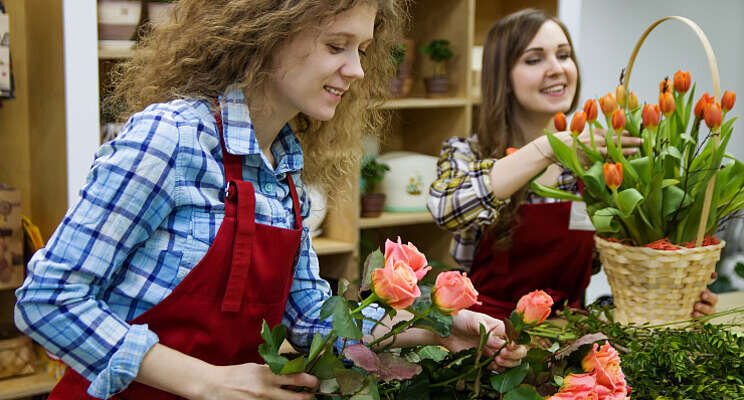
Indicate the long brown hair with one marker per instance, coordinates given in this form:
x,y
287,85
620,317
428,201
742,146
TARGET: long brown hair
x,y
505,42
208,45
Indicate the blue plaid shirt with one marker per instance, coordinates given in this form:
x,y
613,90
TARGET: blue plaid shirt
x,y
150,209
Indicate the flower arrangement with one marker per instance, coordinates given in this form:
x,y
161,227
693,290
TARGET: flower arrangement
x,y
371,370
655,197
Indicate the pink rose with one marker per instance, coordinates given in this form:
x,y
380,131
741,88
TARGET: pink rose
x,y
535,306
578,386
453,292
409,254
606,363
396,284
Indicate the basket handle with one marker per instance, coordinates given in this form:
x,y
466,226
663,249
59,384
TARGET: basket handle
x,y
713,65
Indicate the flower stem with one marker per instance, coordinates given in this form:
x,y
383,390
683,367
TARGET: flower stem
x,y
466,373
369,300
399,329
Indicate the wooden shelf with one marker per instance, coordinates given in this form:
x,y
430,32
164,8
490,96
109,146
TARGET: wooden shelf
x,y
25,386
115,49
325,246
395,219
420,102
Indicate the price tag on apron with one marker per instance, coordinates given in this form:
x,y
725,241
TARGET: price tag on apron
x,y
579,220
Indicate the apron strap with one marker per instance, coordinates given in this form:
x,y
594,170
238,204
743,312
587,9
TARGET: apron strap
x,y
295,201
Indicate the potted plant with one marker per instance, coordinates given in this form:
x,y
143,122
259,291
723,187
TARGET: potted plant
x,y
372,173
438,50
655,212
401,84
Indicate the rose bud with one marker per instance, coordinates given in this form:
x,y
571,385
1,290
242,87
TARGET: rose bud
x,y
613,175
620,95
510,150
396,284
534,306
409,254
453,292
632,101
665,86
591,110
704,101
618,120
682,81
728,100
608,104
667,104
578,122
559,120
713,116
651,116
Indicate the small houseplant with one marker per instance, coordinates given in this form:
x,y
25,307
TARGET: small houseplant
x,y
372,173
402,83
655,212
439,52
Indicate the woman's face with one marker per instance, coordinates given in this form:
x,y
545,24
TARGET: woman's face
x,y
544,76
315,68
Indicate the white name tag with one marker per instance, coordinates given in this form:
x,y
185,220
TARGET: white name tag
x,y
579,220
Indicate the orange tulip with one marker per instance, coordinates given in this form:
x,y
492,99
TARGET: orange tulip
x,y
559,120
651,115
665,86
702,104
510,150
728,100
667,104
613,175
682,81
578,122
713,116
591,110
632,101
607,104
618,120
620,95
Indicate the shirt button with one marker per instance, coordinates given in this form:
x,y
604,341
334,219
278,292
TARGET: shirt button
x,y
268,187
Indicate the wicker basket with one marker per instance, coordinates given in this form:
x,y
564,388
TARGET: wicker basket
x,y
656,286
17,357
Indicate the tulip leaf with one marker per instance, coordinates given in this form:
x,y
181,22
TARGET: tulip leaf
x,y
628,200
523,393
565,155
669,182
592,155
511,378
374,260
595,183
325,366
604,220
294,366
547,191
673,198
643,166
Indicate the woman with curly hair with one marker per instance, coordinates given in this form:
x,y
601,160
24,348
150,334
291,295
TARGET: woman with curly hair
x,y
189,231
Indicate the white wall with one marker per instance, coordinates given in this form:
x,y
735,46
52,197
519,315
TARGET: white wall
x,y
605,32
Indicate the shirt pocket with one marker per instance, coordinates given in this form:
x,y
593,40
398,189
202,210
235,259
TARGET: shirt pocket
x,y
203,229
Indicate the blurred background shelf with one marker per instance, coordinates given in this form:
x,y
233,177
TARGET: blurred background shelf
x,y
28,385
115,49
394,219
414,102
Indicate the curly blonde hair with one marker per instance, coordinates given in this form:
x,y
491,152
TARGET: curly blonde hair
x,y
208,45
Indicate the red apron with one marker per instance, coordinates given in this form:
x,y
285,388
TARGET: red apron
x,y
244,278
544,254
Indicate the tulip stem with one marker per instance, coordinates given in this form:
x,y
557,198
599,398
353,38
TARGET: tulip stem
x,y
591,137
400,328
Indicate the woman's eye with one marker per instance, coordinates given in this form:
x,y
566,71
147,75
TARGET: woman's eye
x,y
335,49
564,56
532,61
362,52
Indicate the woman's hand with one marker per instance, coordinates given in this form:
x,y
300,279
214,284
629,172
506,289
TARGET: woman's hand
x,y
465,334
629,143
706,305
256,381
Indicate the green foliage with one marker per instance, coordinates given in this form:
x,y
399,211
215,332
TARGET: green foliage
x,y
398,54
372,173
439,52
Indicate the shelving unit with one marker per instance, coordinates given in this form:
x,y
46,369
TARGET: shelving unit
x,y
25,386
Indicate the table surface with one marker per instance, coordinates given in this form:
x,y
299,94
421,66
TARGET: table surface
x,y
728,301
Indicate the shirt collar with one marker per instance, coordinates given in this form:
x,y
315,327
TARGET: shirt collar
x,y
240,138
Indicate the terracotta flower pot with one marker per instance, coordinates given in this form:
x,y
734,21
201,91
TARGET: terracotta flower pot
x,y
372,204
437,86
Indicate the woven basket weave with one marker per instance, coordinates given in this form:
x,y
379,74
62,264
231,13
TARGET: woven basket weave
x,y
656,286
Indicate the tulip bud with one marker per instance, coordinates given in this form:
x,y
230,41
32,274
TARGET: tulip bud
x,y
510,150
591,110
667,104
713,116
682,81
559,120
620,95
728,100
613,175
618,120
607,104
651,115
665,86
632,101
701,105
578,121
